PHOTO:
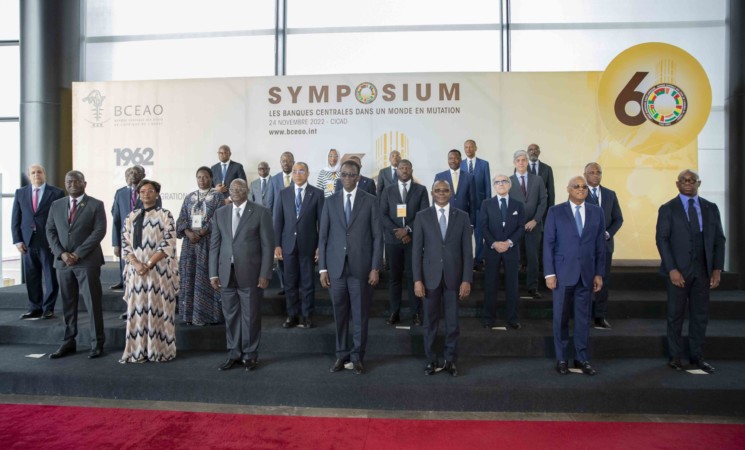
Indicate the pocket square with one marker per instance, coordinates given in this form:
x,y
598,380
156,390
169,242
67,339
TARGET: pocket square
x,y
514,213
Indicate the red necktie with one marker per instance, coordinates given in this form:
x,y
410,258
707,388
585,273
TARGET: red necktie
x,y
73,209
35,203
522,186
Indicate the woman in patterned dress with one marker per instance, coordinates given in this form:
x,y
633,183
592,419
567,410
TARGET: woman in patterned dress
x,y
199,304
328,175
151,279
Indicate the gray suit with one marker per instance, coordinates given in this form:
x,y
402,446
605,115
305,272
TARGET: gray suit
x,y
82,237
442,265
239,261
266,198
385,179
535,208
349,253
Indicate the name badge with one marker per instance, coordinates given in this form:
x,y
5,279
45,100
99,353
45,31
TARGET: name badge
x,y
196,221
401,210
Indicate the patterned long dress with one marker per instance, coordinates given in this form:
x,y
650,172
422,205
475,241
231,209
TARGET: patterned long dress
x,y
199,303
151,299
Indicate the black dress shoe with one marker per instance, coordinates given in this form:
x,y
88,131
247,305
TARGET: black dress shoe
x,y
602,323
393,319
478,267
562,367
95,353
68,348
117,287
307,323
229,364
450,368
431,369
282,292
417,320
251,364
31,315
123,316
514,326
48,314
675,364
585,366
292,321
358,368
338,365
535,294
703,365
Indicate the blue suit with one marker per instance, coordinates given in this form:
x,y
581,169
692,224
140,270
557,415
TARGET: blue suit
x,y
119,211
465,197
575,261
29,228
482,191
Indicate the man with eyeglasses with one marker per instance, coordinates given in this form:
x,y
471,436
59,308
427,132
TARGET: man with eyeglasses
x,y
574,264
350,253
691,244
531,190
608,202
502,223
297,216
225,171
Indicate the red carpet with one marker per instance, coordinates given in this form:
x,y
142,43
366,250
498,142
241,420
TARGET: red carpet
x,y
62,427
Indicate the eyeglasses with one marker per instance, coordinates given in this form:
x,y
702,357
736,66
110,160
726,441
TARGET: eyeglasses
x,y
580,186
147,191
498,182
441,190
348,175
299,172
687,180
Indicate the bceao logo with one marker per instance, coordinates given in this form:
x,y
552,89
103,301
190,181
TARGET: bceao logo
x,y
366,93
654,98
95,98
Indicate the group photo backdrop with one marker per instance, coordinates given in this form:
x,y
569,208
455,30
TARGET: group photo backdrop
x,y
172,127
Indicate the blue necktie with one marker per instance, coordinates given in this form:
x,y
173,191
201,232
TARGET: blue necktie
x,y
348,208
263,187
595,194
578,219
224,172
470,166
503,209
693,216
443,223
298,201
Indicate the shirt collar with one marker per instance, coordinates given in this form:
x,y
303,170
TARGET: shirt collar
x,y
446,207
301,187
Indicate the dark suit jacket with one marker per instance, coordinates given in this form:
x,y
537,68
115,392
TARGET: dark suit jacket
x,y
566,254
674,237
465,197
611,212
536,202
83,237
434,260
416,200
481,179
252,248
298,234
235,171
24,219
267,200
120,210
385,179
364,183
360,243
490,223
547,174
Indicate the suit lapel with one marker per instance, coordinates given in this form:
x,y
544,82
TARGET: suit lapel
x,y
451,218
358,200
306,202
244,217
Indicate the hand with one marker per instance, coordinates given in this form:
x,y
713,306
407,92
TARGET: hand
x,y
716,276
325,279
215,282
400,233
221,188
228,201
278,253
263,282
21,248
465,290
315,258
607,236
68,258
676,278
193,237
374,277
597,283
406,239
529,225
419,289
551,282
142,269
118,251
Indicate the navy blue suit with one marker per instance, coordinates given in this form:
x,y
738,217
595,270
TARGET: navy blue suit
x,y
465,197
496,228
235,171
297,235
119,211
482,191
613,221
575,261
29,227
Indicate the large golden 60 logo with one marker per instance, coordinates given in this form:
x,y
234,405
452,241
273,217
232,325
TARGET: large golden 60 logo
x,y
654,98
